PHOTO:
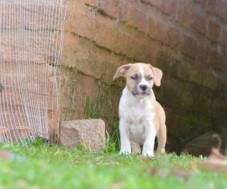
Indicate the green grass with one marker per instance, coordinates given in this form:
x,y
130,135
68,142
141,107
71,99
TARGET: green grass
x,y
54,167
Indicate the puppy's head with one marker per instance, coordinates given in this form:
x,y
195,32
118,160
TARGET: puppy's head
x,y
140,77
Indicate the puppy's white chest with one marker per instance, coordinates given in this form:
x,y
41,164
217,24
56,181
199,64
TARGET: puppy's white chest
x,y
137,121
137,115
132,107
137,132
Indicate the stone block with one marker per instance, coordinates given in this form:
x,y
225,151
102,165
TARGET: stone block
x,y
224,36
213,30
156,3
109,7
189,45
134,17
94,3
201,145
167,33
87,133
191,16
169,7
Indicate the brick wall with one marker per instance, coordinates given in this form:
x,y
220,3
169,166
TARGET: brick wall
x,y
187,39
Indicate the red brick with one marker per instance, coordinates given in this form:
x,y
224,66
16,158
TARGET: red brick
x,y
224,36
189,46
92,2
156,3
152,25
213,30
157,28
202,52
202,3
110,7
222,9
164,32
212,7
199,23
216,58
173,37
169,7
166,6
191,16
82,21
133,16
217,8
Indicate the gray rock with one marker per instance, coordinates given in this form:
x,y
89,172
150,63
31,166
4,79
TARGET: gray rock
x,y
202,145
88,133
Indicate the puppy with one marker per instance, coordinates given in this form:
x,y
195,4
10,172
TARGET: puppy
x,y
142,118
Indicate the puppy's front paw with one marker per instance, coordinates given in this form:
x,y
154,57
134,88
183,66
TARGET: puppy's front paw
x,y
125,152
161,151
148,154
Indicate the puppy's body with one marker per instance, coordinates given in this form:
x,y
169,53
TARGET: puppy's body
x,y
141,117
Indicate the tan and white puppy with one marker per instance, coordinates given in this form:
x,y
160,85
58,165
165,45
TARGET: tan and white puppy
x,y
142,118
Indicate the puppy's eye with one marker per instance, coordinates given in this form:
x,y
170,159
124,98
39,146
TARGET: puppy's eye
x,y
149,78
134,77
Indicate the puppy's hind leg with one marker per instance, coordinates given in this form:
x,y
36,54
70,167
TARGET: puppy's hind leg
x,y
162,137
135,148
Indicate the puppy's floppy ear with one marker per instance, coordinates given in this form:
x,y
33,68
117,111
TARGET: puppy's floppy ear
x,y
121,71
157,76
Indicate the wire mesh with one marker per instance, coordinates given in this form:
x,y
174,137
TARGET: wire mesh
x,y
31,33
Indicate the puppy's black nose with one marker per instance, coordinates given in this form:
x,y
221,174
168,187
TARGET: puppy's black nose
x,y
143,87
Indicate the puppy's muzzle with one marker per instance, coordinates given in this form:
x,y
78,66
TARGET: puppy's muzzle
x,y
143,87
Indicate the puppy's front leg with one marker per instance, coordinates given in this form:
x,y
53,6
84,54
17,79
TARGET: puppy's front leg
x,y
124,138
148,146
